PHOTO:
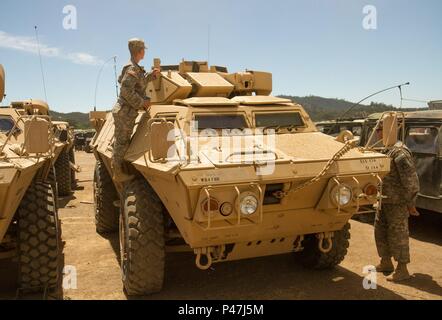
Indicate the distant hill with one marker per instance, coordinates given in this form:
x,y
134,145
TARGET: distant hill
x,y
77,119
318,108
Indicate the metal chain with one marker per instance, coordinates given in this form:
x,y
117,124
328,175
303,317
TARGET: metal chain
x,y
349,145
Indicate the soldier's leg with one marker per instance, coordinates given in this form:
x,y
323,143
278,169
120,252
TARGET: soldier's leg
x,y
123,131
121,143
381,232
399,243
398,234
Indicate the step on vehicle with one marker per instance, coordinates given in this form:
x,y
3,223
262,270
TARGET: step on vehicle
x,y
223,168
29,224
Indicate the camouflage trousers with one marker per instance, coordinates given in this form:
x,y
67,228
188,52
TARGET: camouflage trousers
x,y
391,232
124,120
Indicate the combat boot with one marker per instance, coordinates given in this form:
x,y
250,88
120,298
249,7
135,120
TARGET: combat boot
x,y
385,265
401,273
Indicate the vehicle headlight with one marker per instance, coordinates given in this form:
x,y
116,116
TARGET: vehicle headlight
x,y
248,205
342,195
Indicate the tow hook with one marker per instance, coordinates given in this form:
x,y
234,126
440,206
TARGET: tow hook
x,y
327,236
200,252
298,244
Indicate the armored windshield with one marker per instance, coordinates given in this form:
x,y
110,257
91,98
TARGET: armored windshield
x,y
282,119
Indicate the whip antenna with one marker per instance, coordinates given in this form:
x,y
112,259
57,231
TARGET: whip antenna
x,y
115,73
41,63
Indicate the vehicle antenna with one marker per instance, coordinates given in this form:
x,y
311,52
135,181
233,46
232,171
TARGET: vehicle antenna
x,y
362,100
115,74
41,63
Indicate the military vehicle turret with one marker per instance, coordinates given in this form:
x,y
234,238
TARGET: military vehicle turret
x,y
29,225
231,172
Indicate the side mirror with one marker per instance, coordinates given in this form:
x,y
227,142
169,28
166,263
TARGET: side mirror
x,y
390,130
36,135
159,142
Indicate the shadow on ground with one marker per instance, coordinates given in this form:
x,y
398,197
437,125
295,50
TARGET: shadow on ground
x,y
63,201
426,227
274,277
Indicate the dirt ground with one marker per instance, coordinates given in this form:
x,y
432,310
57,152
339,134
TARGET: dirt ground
x,y
95,259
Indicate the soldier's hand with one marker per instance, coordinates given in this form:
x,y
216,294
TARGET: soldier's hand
x,y
155,73
413,211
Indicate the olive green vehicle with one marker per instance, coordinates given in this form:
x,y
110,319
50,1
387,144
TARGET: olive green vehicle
x,y
225,169
29,225
63,159
422,134
335,127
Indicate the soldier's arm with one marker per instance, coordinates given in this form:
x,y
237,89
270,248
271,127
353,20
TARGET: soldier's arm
x,y
127,91
408,176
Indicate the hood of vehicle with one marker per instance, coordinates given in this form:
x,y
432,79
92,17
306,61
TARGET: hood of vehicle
x,y
298,147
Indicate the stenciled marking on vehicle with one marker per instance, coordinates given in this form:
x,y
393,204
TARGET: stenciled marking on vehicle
x,y
371,164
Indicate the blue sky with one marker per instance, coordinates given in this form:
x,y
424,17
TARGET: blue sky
x,y
316,47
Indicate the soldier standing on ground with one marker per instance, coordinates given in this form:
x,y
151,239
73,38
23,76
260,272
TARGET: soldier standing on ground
x,y
399,190
133,82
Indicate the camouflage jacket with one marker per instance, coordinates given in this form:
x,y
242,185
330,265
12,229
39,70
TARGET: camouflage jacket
x,y
401,185
133,81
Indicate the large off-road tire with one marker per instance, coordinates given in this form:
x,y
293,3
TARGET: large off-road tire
x,y
63,174
312,257
142,239
73,174
106,214
52,180
39,239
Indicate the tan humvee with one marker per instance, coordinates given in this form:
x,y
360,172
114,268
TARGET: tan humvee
x,y
231,172
29,225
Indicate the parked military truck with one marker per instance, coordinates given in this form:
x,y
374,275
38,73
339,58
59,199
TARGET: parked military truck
x,y
29,225
335,127
422,135
63,158
224,168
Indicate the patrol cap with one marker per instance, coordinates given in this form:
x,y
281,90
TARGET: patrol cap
x,y
136,44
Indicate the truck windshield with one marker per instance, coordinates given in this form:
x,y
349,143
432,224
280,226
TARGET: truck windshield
x,y
422,139
6,124
282,119
220,121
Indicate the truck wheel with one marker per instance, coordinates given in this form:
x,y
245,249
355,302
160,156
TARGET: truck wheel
x,y
63,174
52,180
142,239
39,239
73,175
312,257
106,214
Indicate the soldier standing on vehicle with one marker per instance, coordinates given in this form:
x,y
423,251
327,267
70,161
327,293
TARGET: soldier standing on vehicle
x,y
133,82
399,190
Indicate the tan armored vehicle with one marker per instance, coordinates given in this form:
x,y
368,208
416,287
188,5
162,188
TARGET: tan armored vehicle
x,y
226,169
63,158
29,225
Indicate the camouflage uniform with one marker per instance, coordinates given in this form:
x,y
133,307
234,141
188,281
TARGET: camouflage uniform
x,y
400,188
133,81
